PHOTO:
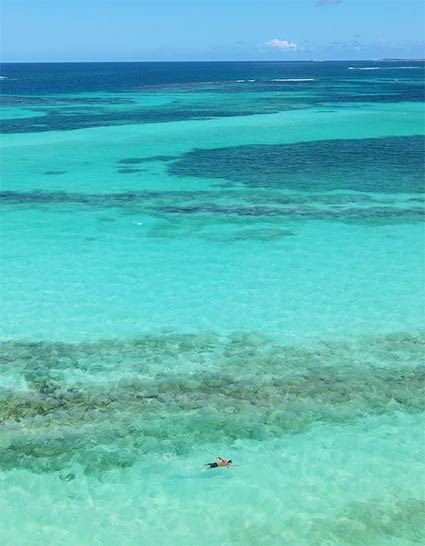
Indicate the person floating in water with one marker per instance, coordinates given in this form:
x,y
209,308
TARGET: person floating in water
x,y
220,462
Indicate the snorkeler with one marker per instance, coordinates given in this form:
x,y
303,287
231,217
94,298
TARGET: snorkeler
x,y
221,462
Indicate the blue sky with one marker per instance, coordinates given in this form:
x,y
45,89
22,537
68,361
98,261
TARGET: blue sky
x,y
131,30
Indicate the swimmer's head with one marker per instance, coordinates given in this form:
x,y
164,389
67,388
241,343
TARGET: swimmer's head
x,y
229,461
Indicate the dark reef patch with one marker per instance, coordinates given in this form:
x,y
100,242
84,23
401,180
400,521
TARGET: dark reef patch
x,y
56,197
38,100
54,172
234,203
129,171
365,165
222,210
102,404
251,234
376,214
60,120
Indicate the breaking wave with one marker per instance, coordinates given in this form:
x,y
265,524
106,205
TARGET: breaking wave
x,y
293,80
385,68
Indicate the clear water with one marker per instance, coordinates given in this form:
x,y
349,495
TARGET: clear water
x,y
205,259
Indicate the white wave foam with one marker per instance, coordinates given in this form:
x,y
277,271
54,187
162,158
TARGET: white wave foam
x,y
385,68
4,78
293,80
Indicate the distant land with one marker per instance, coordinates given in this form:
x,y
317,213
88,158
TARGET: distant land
x,y
402,59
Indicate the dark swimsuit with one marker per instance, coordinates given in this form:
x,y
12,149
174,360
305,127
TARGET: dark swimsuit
x,y
212,465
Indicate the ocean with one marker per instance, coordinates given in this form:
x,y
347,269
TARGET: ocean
x,y
212,259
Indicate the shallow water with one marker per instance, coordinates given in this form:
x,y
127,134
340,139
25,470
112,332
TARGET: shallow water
x,y
212,259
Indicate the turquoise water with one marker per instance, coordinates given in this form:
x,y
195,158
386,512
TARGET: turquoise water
x,y
212,259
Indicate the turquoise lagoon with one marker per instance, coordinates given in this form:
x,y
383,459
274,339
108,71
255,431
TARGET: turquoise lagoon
x,y
204,259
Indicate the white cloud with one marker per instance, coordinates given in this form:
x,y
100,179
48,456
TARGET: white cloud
x,y
282,45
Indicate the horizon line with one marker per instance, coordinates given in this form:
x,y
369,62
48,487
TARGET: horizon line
x,y
383,59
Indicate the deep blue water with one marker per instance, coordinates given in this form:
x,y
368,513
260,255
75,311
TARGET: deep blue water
x,y
39,78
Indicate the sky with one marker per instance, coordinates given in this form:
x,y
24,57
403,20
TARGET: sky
x,y
192,30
